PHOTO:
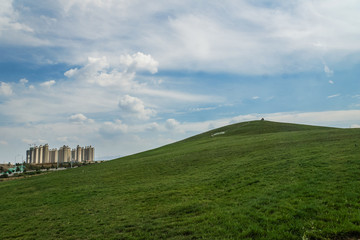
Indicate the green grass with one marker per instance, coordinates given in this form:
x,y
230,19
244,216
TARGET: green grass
x,y
258,180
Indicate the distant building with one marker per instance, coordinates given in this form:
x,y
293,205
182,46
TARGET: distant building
x,y
53,155
45,156
64,154
42,154
79,153
89,154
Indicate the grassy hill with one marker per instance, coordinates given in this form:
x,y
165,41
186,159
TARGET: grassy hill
x,y
252,180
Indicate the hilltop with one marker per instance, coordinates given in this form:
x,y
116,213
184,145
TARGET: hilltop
x,y
251,180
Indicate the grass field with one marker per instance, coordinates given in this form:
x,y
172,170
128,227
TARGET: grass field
x,y
252,180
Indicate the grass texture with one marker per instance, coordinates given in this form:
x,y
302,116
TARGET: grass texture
x,y
251,180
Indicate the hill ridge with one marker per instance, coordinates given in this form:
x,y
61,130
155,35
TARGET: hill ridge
x,y
258,127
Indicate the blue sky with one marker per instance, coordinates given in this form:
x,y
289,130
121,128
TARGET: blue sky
x,y
127,76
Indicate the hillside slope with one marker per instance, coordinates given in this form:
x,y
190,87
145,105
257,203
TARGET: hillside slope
x,y
253,180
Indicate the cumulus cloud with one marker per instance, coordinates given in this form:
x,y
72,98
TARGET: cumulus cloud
x,y
129,105
82,92
5,89
80,118
119,74
172,124
140,61
331,81
153,126
91,70
48,83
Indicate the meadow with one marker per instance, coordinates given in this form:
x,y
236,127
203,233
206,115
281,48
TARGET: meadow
x,y
251,180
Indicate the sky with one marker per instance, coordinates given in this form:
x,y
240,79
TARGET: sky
x,y
130,75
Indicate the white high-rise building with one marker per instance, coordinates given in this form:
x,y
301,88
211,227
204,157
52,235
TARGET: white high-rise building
x,y
79,154
89,154
53,155
42,154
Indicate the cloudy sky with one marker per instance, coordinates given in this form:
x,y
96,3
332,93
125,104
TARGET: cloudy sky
x,y
130,75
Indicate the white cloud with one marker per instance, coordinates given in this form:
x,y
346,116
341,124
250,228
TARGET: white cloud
x,y
23,81
255,97
153,127
82,92
91,70
210,41
172,124
5,89
331,81
2,142
9,18
199,109
99,71
70,73
328,71
237,36
140,61
80,118
334,96
134,106
355,126
15,31
48,83
120,73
